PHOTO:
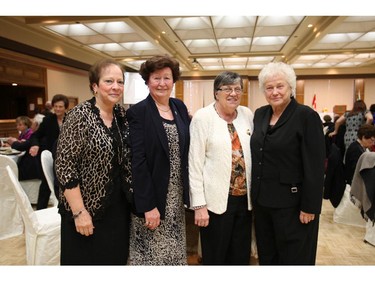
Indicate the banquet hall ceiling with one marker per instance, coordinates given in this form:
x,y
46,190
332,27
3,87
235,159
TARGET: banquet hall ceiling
x,y
216,43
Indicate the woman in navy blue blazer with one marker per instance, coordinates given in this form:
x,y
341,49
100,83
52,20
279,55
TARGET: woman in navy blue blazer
x,y
159,135
288,152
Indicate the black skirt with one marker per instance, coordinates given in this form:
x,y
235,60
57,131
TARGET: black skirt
x,y
109,245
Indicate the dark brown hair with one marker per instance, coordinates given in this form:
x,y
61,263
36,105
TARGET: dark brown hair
x,y
367,131
358,107
96,69
157,63
60,97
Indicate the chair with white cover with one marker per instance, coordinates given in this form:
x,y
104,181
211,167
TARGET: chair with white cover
x,y
31,188
347,212
47,166
11,223
370,233
42,227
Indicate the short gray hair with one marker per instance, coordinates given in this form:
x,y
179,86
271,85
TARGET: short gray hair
x,y
278,68
38,118
226,78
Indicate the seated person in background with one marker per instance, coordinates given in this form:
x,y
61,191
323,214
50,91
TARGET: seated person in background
x,y
23,124
365,140
38,118
47,108
328,124
372,110
28,167
328,127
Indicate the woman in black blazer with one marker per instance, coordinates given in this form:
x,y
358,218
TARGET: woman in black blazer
x,y
159,135
288,152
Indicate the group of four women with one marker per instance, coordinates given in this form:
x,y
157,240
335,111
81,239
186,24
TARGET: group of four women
x,y
126,177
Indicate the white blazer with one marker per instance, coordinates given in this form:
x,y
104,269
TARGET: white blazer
x,y
210,157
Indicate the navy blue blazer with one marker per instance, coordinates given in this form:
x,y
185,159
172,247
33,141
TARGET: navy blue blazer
x,y
150,153
288,159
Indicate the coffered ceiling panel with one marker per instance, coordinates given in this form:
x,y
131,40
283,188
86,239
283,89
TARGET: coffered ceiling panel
x,y
215,43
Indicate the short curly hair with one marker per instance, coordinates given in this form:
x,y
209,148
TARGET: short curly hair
x,y
159,62
278,68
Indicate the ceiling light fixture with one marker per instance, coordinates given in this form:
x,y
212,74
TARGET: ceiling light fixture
x,y
195,63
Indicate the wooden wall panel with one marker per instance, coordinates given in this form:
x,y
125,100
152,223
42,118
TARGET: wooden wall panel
x,y
22,74
179,89
8,128
245,94
359,90
300,91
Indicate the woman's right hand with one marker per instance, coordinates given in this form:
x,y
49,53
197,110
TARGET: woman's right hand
x,y
201,217
84,223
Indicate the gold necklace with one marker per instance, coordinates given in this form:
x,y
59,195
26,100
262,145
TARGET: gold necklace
x,y
164,110
161,109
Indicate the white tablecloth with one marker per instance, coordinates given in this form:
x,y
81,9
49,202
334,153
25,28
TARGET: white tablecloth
x,y
14,157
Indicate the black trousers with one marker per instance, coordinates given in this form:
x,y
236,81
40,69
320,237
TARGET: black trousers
x,y
282,239
43,195
227,238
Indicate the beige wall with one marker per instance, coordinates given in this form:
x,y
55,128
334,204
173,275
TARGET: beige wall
x,y
71,85
370,91
329,92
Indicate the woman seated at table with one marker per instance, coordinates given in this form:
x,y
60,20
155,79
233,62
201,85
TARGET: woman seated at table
x,y
29,167
365,140
23,125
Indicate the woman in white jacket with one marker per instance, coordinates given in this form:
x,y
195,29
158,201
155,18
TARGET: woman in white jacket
x,y
219,174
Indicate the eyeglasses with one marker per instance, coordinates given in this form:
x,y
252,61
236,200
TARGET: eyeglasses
x,y
228,91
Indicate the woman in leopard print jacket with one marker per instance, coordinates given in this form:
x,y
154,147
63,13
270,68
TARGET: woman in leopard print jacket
x,y
93,171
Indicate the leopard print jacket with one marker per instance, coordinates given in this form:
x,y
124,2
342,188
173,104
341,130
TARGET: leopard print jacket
x,y
86,156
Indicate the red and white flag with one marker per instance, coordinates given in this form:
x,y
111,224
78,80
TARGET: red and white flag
x,y
314,102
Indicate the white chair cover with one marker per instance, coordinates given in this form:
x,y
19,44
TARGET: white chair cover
x,y
31,188
42,227
11,223
347,212
47,165
370,233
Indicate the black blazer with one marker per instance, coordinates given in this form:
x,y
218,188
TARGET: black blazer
x,y
47,133
288,159
150,153
29,167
